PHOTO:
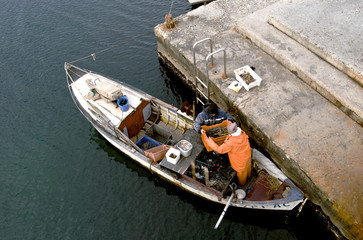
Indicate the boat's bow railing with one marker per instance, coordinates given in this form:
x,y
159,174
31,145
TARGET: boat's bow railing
x,y
73,72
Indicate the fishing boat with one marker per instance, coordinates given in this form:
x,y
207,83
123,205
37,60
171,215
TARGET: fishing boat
x,y
161,138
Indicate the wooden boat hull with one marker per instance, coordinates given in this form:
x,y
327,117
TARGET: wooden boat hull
x,y
109,128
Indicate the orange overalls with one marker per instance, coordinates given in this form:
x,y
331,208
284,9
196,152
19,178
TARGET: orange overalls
x,y
239,153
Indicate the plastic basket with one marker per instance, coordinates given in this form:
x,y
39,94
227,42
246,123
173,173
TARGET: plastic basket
x,y
157,153
184,147
247,69
172,155
146,143
218,140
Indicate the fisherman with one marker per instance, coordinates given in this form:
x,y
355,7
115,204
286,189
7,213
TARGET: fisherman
x,y
239,151
210,116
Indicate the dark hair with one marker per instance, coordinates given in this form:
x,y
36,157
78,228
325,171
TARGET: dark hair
x,y
212,109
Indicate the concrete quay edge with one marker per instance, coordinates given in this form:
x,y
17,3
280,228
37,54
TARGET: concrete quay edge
x,y
268,114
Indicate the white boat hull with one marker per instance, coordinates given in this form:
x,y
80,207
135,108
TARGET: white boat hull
x,y
106,128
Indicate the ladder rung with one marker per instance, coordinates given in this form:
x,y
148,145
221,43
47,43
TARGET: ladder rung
x,y
201,93
201,82
200,100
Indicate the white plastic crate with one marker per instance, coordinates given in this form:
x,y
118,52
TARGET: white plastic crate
x,y
244,70
184,147
172,155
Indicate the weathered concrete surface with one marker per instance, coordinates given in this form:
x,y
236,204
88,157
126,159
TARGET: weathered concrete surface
x,y
330,82
317,145
329,29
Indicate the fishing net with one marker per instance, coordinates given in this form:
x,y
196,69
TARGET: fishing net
x,y
265,188
271,182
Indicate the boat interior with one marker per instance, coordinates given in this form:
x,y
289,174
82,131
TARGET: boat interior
x,y
156,127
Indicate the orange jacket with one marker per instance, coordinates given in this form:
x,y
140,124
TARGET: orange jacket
x,y
238,149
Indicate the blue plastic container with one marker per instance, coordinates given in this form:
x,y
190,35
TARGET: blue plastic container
x,y
146,143
123,103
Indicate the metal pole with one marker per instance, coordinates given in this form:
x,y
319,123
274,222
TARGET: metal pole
x,y
195,63
206,64
224,211
194,59
301,206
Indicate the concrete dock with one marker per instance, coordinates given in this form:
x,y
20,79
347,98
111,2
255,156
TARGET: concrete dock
x,y
308,111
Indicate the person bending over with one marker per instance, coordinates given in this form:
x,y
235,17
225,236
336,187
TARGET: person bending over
x,y
239,151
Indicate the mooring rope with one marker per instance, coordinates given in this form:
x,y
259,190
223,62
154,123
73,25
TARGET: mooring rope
x,y
93,55
171,6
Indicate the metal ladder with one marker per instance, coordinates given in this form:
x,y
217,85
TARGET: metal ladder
x,y
198,82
